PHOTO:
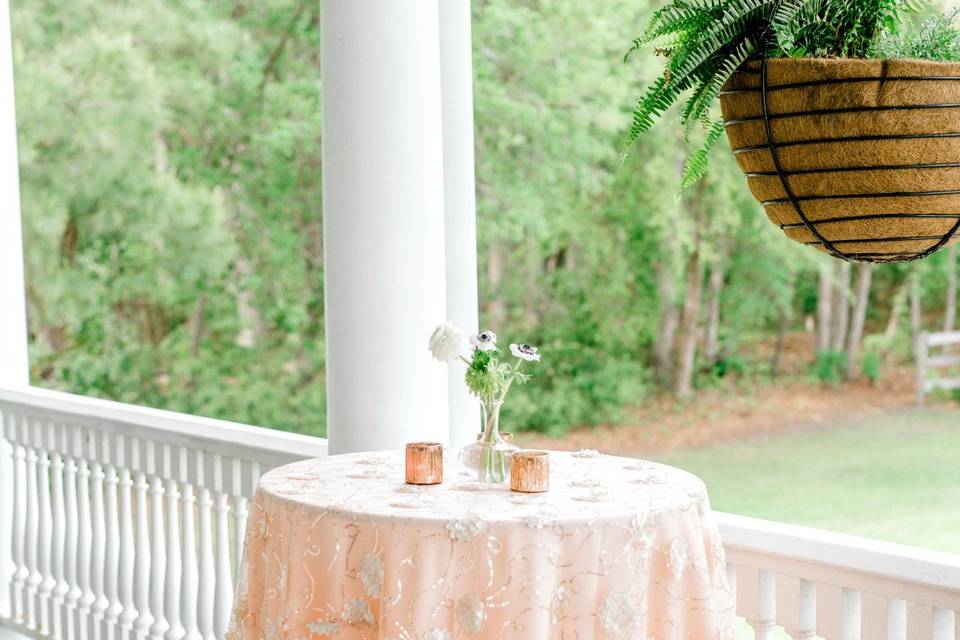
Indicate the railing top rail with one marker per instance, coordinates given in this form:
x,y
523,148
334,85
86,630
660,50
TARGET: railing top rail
x,y
908,564
941,338
220,436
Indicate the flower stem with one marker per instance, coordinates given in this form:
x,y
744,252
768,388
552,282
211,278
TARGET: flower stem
x,y
515,370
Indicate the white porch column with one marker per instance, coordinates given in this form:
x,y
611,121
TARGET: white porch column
x,y
384,277
456,67
14,369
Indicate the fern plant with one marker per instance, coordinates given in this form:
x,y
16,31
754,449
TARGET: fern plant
x,y
938,38
705,41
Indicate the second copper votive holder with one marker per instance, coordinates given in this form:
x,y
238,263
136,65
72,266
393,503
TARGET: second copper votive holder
x,y
530,472
424,461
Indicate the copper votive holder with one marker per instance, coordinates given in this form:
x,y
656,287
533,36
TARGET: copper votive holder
x,y
530,472
424,463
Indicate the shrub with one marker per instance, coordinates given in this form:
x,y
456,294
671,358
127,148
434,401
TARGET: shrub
x,y
830,366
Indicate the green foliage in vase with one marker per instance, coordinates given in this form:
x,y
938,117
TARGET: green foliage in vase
x,y
705,41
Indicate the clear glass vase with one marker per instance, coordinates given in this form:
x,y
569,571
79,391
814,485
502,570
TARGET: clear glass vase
x,y
490,456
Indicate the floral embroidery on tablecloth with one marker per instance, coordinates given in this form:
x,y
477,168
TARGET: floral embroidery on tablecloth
x,y
371,575
599,494
357,611
622,615
558,604
677,559
471,615
586,453
323,628
466,528
642,530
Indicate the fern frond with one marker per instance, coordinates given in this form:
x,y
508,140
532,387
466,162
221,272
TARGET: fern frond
x,y
657,99
708,92
696,165
676,18
782,18
723,34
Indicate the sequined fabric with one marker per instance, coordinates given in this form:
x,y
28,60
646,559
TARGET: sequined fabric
x,y
618,548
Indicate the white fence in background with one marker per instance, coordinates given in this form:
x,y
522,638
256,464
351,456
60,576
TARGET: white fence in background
x,y
127,523
934,357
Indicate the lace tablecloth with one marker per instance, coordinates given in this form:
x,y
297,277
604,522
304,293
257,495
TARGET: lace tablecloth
x,y
618,548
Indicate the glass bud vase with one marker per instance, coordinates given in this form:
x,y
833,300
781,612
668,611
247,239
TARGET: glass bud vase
x,y
490,456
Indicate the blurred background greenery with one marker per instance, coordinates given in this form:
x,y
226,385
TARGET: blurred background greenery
x,y
171,183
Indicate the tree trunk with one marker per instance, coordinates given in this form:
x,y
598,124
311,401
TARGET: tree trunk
x,y
198,326
841,307
778,348
950,313
864,274
669,315
252,325
916,317
893,320
496,307
711,346
683,381
824,307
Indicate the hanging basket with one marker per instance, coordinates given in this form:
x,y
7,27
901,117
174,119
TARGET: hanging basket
x,y
859,158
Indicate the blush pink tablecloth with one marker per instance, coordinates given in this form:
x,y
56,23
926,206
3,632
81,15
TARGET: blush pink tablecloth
x,y
618,548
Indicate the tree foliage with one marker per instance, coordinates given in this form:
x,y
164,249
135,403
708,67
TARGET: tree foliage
x,y
172,210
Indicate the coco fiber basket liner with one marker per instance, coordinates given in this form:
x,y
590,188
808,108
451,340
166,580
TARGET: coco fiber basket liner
x,y
860,158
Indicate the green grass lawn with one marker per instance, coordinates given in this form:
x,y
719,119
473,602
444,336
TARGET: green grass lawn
x,y
893,477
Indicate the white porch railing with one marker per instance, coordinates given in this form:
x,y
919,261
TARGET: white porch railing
x,y
817,583
127,522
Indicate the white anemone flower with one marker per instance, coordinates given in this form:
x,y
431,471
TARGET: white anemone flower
x,y
446,342
485,340
525,352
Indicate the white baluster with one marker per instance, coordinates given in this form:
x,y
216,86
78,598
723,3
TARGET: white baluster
x,y
32,532
45,538
112,562
207,577
223,594
188,603
71,542
732,581
158,557
896,620
18,604
84,548
756,600
127,551
850,599
944,625
99,542
141,568
240,505
796,606
174,564
59,542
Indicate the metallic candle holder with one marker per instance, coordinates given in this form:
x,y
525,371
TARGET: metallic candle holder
x,y
424,463
530,472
